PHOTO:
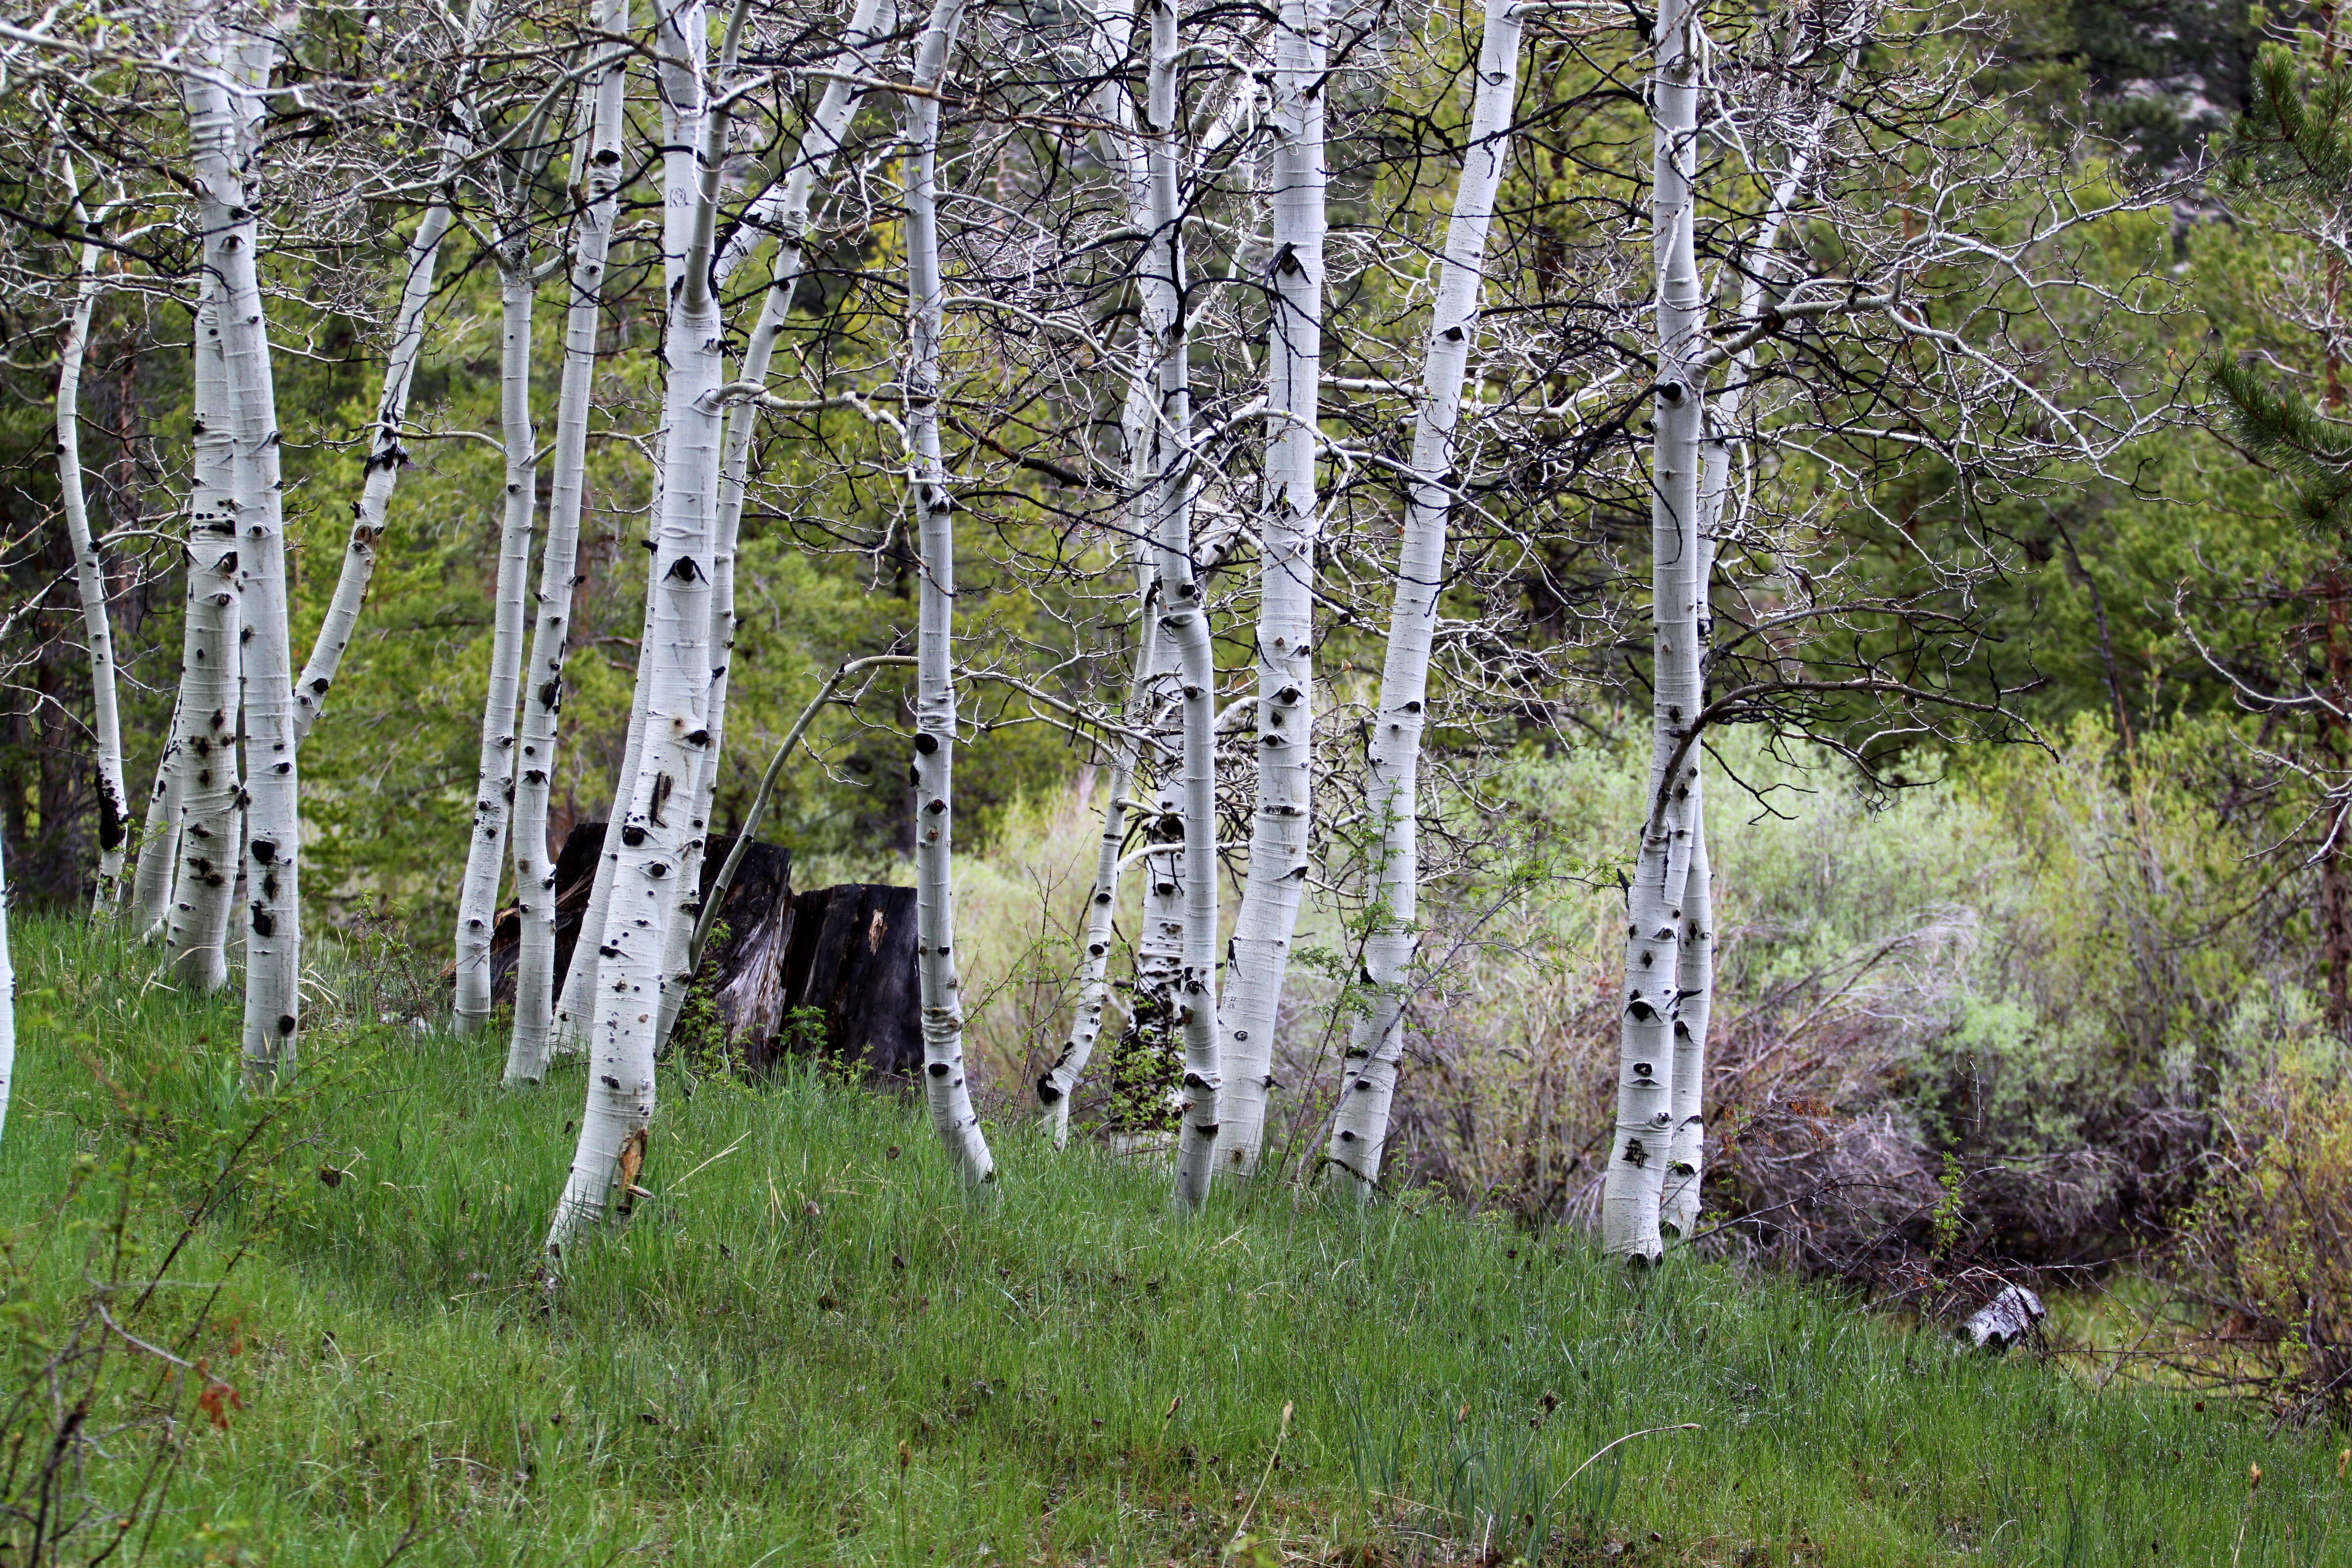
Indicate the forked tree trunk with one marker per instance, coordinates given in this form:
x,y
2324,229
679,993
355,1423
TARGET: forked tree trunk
x,y
1644,1124
945,1090
656,827
535,890
1183,610
1359,1127
90,578
485,854
202,885
1277,881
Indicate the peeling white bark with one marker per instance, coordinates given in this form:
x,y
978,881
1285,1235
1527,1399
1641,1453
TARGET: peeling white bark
x,y
1276,880
486,852
1183,609
945,1090
1359,1127
654,831
158,838
228,190
535,1018
202,884
90,578
1638,1152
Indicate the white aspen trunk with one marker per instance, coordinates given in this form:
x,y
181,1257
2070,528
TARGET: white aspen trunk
x,y
535,1018
1638,1151
1685,1158
158,838
205,735
819,145
1359,1126
1114,26
273,941
485,853
655,832
386,453
576,1009
1183,612
90,577
1276,880
945,1089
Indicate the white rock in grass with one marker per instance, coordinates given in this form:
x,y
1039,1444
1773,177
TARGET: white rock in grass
x,y
2008,1318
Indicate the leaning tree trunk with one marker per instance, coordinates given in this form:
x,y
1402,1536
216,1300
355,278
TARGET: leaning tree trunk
x,y
1184,612
1359,1127
1638,1151
944,1086
819,145
485,854
202,887
386,455
90,577
1276,882
654,827
550,632
1156,962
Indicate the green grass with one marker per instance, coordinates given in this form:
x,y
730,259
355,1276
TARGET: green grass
x,y
811,1348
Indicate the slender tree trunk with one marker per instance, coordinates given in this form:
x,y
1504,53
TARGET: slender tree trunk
x,y
818,148
158,840
1645,1125
1114,29
1686,1157
656,829
1184,612
273,945
486,856
385,454
90,577
1359,1127
550,632
1276,882
944,1086
209,832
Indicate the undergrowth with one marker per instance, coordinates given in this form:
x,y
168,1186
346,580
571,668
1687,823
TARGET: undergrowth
x,y
810,1347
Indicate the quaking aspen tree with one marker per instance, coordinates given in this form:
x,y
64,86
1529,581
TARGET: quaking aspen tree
x,y
652,823
1644,1122
1275,885
1375,1050
90,579
945,1090
542,699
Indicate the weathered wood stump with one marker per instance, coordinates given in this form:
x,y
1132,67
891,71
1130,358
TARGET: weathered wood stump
x,y
842,958
851,963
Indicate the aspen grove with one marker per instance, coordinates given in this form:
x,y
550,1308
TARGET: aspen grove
x,y
1276,418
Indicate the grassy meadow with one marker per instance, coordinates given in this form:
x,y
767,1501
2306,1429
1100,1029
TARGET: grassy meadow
x,y
809,1347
